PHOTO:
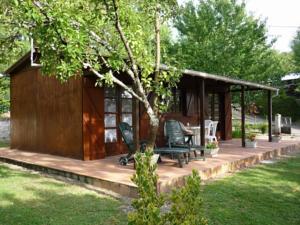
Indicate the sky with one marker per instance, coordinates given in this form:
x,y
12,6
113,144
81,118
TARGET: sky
x,y
282,16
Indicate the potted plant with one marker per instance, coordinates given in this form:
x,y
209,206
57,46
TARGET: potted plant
x,y
212,148
251,141
276,137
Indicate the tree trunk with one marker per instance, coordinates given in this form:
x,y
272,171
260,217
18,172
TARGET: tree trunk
x,y
152,136
154,125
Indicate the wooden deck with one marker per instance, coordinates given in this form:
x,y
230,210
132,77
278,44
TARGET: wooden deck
x,y
108,174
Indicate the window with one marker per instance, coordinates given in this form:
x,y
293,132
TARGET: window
x,y
117,108
110,115
213,106
175,104
126,102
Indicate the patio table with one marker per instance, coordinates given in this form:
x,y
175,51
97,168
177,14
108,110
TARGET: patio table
x,y
197,134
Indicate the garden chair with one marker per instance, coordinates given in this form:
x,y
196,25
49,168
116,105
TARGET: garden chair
x,y
213,131
126,131
176,138
127,134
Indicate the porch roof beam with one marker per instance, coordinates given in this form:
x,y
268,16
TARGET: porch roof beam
x,y
247,89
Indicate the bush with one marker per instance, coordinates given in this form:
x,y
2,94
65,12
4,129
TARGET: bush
x,y
147,206
263,128
282,104
185,203
236,131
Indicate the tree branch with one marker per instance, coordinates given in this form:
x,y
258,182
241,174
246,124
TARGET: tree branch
x,y
115,80
124,39
42,11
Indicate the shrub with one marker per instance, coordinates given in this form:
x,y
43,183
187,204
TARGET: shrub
x,y
263,128
185,203
282,104
147,205
237,133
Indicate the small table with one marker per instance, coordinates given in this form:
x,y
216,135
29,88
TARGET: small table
x,y
197,134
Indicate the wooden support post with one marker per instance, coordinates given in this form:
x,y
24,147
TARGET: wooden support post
x,y
243,116
270,115
202,122
213,106
136,124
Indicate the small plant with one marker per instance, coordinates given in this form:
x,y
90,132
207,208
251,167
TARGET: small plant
x,y
185,203
251,136
277,133
147,205
263,128
212,145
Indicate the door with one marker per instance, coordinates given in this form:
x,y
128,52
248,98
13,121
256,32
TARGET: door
x,y
117,108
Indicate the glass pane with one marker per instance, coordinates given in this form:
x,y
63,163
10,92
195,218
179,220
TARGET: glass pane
x,y
126,105
126,94
110,92
127,118
110,135
110,120
110,105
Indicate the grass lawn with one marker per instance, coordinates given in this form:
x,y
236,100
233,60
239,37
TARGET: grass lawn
x,y
3,144
263,195
31,199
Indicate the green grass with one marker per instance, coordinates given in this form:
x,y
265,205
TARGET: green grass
x,y
31,199
3,144
263,195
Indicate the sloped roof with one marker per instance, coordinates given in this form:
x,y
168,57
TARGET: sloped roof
x,y
26,59
291,76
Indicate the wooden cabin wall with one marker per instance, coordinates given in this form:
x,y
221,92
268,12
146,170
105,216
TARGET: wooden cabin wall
x,y
225,116
94,145
46,116
190,111
93,120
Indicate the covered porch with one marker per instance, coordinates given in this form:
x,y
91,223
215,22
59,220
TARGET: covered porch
x,y
110,176
200,97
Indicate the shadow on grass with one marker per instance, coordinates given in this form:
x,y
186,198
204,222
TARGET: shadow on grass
x,y
38,200
5,172
264,195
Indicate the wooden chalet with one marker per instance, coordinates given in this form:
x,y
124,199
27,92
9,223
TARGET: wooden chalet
x,y
78,120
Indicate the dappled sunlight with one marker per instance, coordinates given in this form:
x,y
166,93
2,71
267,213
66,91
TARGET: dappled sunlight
x,y
39,200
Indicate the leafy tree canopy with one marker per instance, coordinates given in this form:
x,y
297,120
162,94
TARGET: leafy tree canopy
x,y
218,36
296,49
106,37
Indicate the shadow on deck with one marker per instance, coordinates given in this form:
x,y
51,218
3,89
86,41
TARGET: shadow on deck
x,y
108,174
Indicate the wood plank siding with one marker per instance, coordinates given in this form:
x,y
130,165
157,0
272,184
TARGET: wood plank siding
x,y
93,120
46,116
78,120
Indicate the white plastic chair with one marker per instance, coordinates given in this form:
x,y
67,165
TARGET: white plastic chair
x,y
212,134
208,128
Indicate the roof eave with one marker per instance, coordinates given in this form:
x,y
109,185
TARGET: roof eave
x,y
13,68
